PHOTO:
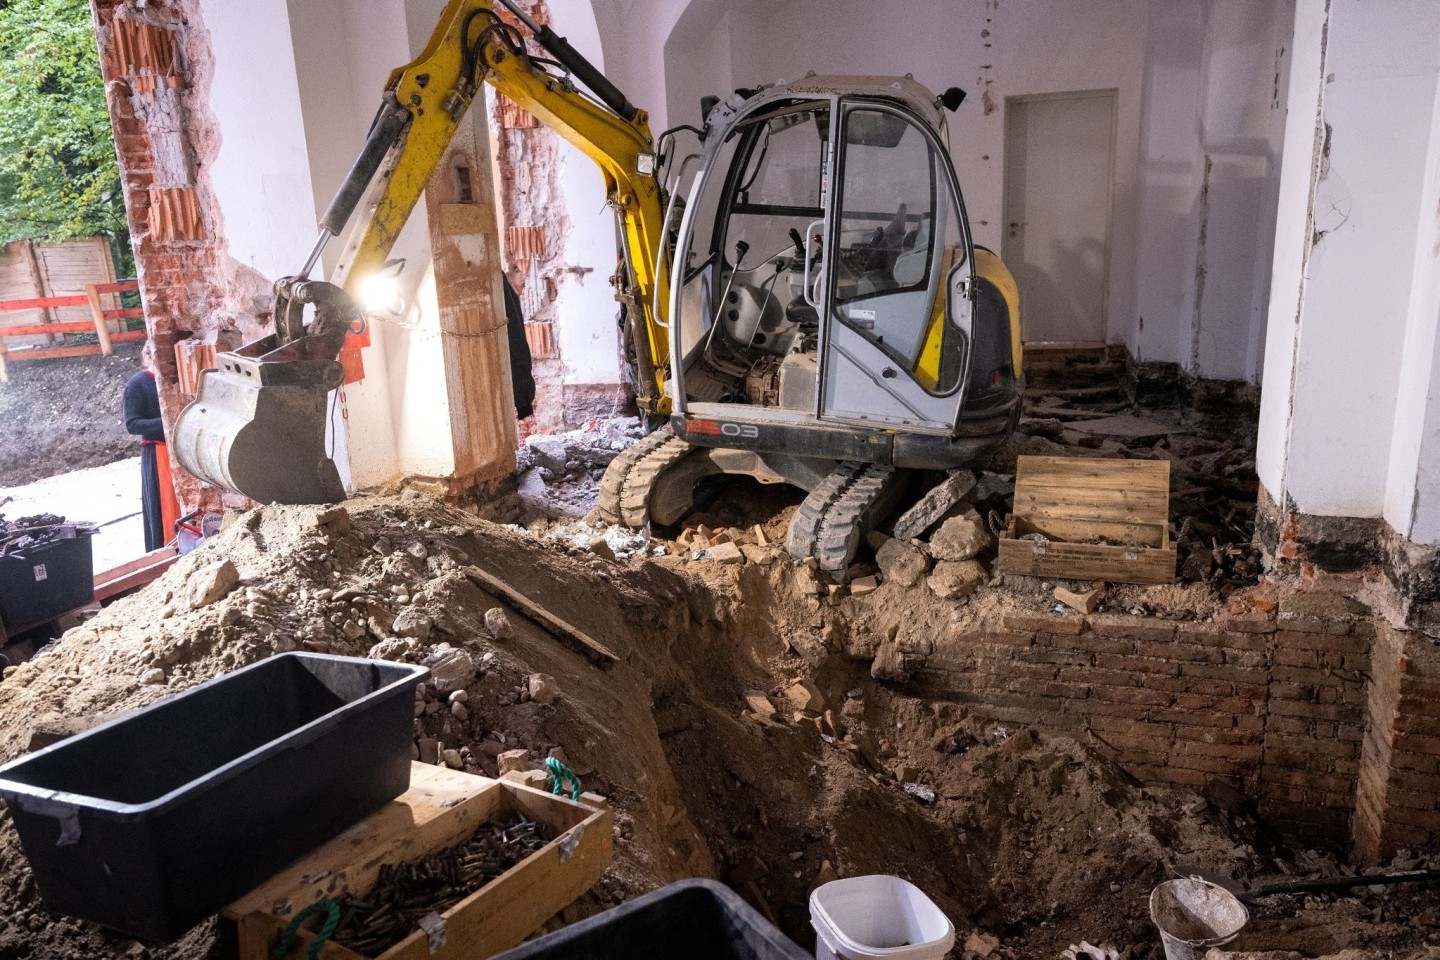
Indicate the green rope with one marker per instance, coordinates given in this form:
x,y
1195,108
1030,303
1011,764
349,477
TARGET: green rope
x,y
327,929
559,773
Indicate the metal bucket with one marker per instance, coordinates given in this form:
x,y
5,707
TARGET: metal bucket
x,y
1194,915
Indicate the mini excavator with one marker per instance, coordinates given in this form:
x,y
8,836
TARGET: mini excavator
x,y
802,299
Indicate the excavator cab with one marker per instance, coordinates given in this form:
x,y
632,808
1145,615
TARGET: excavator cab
x,y
826,270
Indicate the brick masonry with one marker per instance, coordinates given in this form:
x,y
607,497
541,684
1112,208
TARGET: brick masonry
x,y
1332,726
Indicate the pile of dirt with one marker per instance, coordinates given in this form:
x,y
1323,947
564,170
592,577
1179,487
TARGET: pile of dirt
x,y
734,737
62,415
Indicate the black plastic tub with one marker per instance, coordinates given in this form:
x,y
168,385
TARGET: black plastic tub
x,y
151,822
45,581
689,920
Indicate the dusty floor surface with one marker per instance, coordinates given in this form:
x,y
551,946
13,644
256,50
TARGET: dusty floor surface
x,y
62,415
717,764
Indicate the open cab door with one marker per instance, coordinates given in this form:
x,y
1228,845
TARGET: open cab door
x,y
898,277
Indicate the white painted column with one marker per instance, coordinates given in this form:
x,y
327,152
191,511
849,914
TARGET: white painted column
x,y
1349,372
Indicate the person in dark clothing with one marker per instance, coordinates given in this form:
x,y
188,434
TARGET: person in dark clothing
x,y
522,378
142,418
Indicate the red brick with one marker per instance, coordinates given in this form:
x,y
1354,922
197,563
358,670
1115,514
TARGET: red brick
x,y
1242,625
1072,658
1217,671
1093,707
1138,695
1213,719
1028,623
1128,664
1249,723
1299,726
1291,657
1006,638
1169,774
1411,800
1132,628
1341,712
1417,743
1246,658
1295,691
1192,685
1302,675
1192,761
1310,746
1240,753
1427,819
1213,735
1096,643
1396,835
1096,675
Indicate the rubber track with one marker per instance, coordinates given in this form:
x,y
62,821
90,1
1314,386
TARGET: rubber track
x,y
612,483
850,518
640,480
808,524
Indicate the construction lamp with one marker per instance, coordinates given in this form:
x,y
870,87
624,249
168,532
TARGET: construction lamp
x,y
380,292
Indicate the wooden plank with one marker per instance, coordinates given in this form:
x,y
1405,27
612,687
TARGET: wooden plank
x,y
97,313
126,313
494,918
1117,491
129,336
1088,561
136,573
441,808
37,282
119,286
40,303
52,353
31,329
592,648
1071,530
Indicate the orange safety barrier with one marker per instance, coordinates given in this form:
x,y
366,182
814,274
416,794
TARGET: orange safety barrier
x,y
99,324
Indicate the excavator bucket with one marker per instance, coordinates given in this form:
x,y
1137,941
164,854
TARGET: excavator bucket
x,y
257,424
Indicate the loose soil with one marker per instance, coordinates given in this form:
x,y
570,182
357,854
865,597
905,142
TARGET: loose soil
x,y
713,763
63,415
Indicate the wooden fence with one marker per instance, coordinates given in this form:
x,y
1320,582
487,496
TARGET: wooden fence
x,y
98,324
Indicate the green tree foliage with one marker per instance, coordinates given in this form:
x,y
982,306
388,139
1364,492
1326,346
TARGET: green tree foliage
x,y
58,173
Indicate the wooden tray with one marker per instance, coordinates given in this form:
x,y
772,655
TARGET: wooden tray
x,y
441,808
1069,501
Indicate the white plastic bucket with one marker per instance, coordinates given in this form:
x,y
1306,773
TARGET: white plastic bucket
x,y
1194,915
860,918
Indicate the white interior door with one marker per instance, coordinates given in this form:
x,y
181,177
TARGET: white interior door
x,y
1059,167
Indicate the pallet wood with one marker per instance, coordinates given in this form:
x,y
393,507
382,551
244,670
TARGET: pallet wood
x,y
1068,501
442,808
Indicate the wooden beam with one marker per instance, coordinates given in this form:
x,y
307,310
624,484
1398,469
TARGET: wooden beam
x,y
32,265
30,329
118,286
591,647
4,371
97,313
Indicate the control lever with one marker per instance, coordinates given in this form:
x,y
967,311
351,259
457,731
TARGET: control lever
x,y
799,241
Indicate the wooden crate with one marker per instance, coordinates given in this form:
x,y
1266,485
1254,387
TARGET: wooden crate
x,y
1100,520
442,808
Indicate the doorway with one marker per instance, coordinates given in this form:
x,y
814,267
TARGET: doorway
x,y
1059,175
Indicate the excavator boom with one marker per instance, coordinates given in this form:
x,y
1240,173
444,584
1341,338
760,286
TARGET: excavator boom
x,y
257,424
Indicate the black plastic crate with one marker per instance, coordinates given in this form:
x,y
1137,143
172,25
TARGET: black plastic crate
x,y
46,581
151,822
689,920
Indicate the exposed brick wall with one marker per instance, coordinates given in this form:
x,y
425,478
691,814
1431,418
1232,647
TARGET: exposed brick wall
x,y
1398,797
1278,708
155,61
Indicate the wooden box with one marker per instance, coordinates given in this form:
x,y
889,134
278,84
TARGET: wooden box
x,y
442,808
1085,519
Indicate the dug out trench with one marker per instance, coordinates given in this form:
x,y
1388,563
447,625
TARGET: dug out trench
x,y
754,728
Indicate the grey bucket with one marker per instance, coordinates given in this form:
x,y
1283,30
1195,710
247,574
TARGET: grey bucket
x,y
1194,915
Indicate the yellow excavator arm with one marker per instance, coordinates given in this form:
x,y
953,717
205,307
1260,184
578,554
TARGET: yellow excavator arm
x,y
471,45
258,421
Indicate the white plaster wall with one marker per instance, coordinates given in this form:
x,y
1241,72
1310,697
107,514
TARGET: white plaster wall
x,y
584,302
1354,304
1412,496
1365,218
1210,141
260,175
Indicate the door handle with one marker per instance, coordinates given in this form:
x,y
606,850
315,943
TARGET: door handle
x,y
805,279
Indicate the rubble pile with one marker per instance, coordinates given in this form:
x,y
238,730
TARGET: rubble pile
x,y
751,708
25,533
